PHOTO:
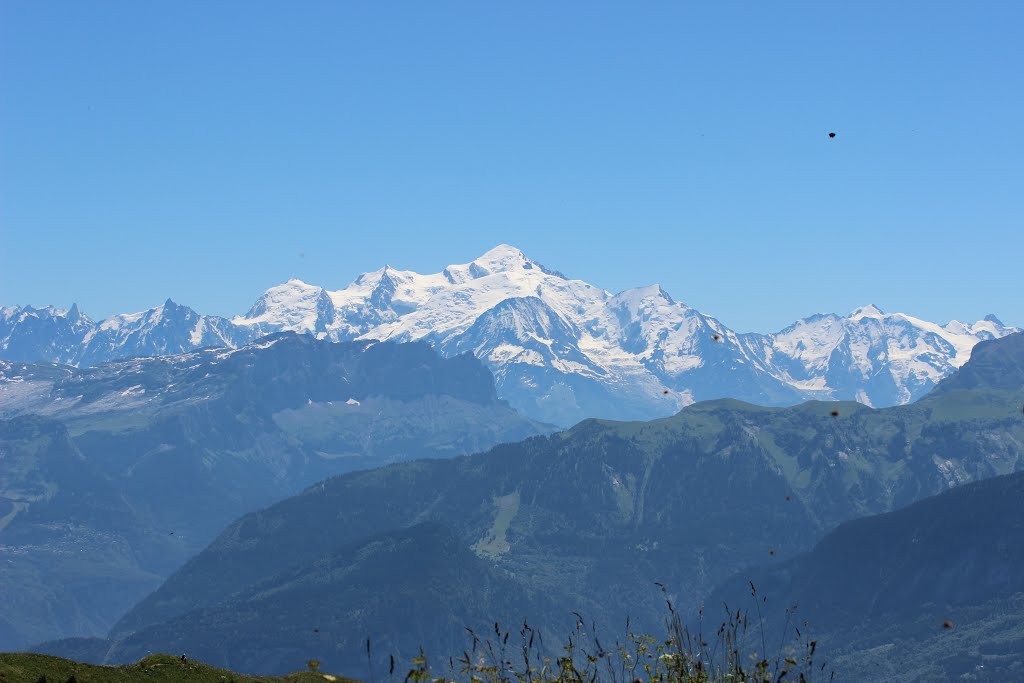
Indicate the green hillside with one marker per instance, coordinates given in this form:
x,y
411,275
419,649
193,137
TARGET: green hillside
x,y
33,668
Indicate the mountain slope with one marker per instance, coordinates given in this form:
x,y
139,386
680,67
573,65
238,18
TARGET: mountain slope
x,y
995,366
561,349
354,591
76,553
877,591
591,517
178,446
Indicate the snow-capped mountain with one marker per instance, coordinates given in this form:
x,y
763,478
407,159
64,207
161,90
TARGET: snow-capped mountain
x,y
874,357
54,335
560,349
30,334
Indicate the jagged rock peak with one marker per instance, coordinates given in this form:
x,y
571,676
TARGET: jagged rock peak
x,y
991,317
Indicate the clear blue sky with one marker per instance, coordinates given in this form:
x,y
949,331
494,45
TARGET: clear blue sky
x,y
208,150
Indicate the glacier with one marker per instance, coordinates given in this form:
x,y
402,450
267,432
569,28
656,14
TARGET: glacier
x,y
560,349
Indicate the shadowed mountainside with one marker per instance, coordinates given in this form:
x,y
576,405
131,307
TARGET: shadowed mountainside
x,y
934,591
115,475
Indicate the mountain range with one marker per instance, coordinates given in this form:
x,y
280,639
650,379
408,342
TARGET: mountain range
x,y
112,476
560,349
582,520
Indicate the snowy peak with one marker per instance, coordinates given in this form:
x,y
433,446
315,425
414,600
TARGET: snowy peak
x,y
375,302
166,329
523,329
283,298
873,357
560,349
989,327
501,259
384,291
869,311
397,288
404,306
295,305
13,313
29,334
379,297
643,299
70,337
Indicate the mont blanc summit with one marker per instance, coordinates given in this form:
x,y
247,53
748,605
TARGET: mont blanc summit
x,y
561,349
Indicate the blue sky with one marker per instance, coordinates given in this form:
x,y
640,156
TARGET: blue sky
x,y
206,151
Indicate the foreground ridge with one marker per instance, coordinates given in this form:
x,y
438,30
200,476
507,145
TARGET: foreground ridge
x,y
680,654
35,668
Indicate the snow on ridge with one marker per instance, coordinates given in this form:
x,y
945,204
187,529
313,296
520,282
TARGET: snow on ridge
x,y
502,258
195,337
264,344
869,311
639,342
651,296
402,290
293,304
11,312
121,320
869,344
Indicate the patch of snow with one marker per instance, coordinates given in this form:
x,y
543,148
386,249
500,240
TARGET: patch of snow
x,y
265,344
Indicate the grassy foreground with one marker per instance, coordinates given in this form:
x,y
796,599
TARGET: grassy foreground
x,y
31,668
731,655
